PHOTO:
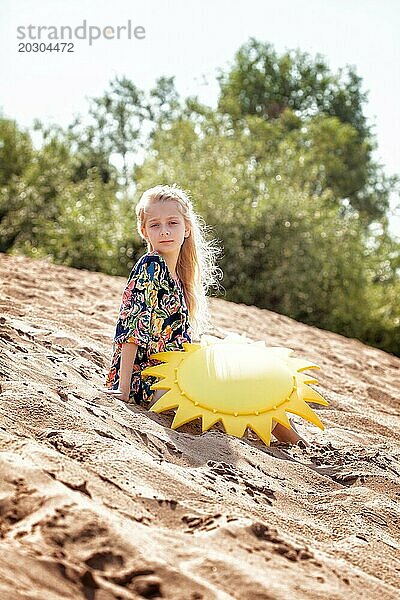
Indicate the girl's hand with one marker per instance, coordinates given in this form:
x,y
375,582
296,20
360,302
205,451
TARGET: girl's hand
x,y
120,394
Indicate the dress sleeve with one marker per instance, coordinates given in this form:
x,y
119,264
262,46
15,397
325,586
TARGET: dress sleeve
x,y
138,300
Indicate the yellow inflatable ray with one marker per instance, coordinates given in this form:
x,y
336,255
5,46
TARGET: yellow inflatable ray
x,y
242,385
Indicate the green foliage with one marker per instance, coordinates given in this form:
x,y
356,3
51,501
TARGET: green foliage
x,y
15,150
118,127
382,329
45,212
295,89
263,83
79,235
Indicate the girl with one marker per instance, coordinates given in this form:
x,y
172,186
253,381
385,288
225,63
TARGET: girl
x,y
164,301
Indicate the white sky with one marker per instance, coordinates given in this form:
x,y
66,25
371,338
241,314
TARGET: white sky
x,y
191,39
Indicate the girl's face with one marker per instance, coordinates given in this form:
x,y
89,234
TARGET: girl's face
x,y
165,227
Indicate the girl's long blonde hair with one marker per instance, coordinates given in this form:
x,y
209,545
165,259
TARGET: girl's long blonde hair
x,y
196,265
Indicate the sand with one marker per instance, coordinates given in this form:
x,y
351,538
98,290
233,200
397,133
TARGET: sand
x,y
100,500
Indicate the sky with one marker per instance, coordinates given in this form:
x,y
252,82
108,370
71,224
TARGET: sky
x,y
191,40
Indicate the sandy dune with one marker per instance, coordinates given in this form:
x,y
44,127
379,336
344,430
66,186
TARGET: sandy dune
x,y
102,501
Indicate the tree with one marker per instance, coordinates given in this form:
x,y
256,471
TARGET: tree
x,y
15,150
163,105
114,129
45,212
261,83
120,125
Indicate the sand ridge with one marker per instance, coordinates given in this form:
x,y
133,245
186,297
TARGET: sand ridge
x,y
102,500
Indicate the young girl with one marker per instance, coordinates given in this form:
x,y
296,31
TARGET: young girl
x,y
164,302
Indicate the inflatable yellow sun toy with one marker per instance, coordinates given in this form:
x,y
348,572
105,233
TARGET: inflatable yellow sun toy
x,y
240,384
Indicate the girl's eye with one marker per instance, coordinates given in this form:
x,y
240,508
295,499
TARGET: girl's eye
x,y
154,225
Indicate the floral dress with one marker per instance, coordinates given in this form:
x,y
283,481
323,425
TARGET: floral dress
x,y
153,315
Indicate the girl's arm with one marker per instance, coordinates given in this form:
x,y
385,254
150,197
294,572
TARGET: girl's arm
x,y
128,355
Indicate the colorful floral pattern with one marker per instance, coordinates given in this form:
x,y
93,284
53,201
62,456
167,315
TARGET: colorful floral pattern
x,y
153,315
